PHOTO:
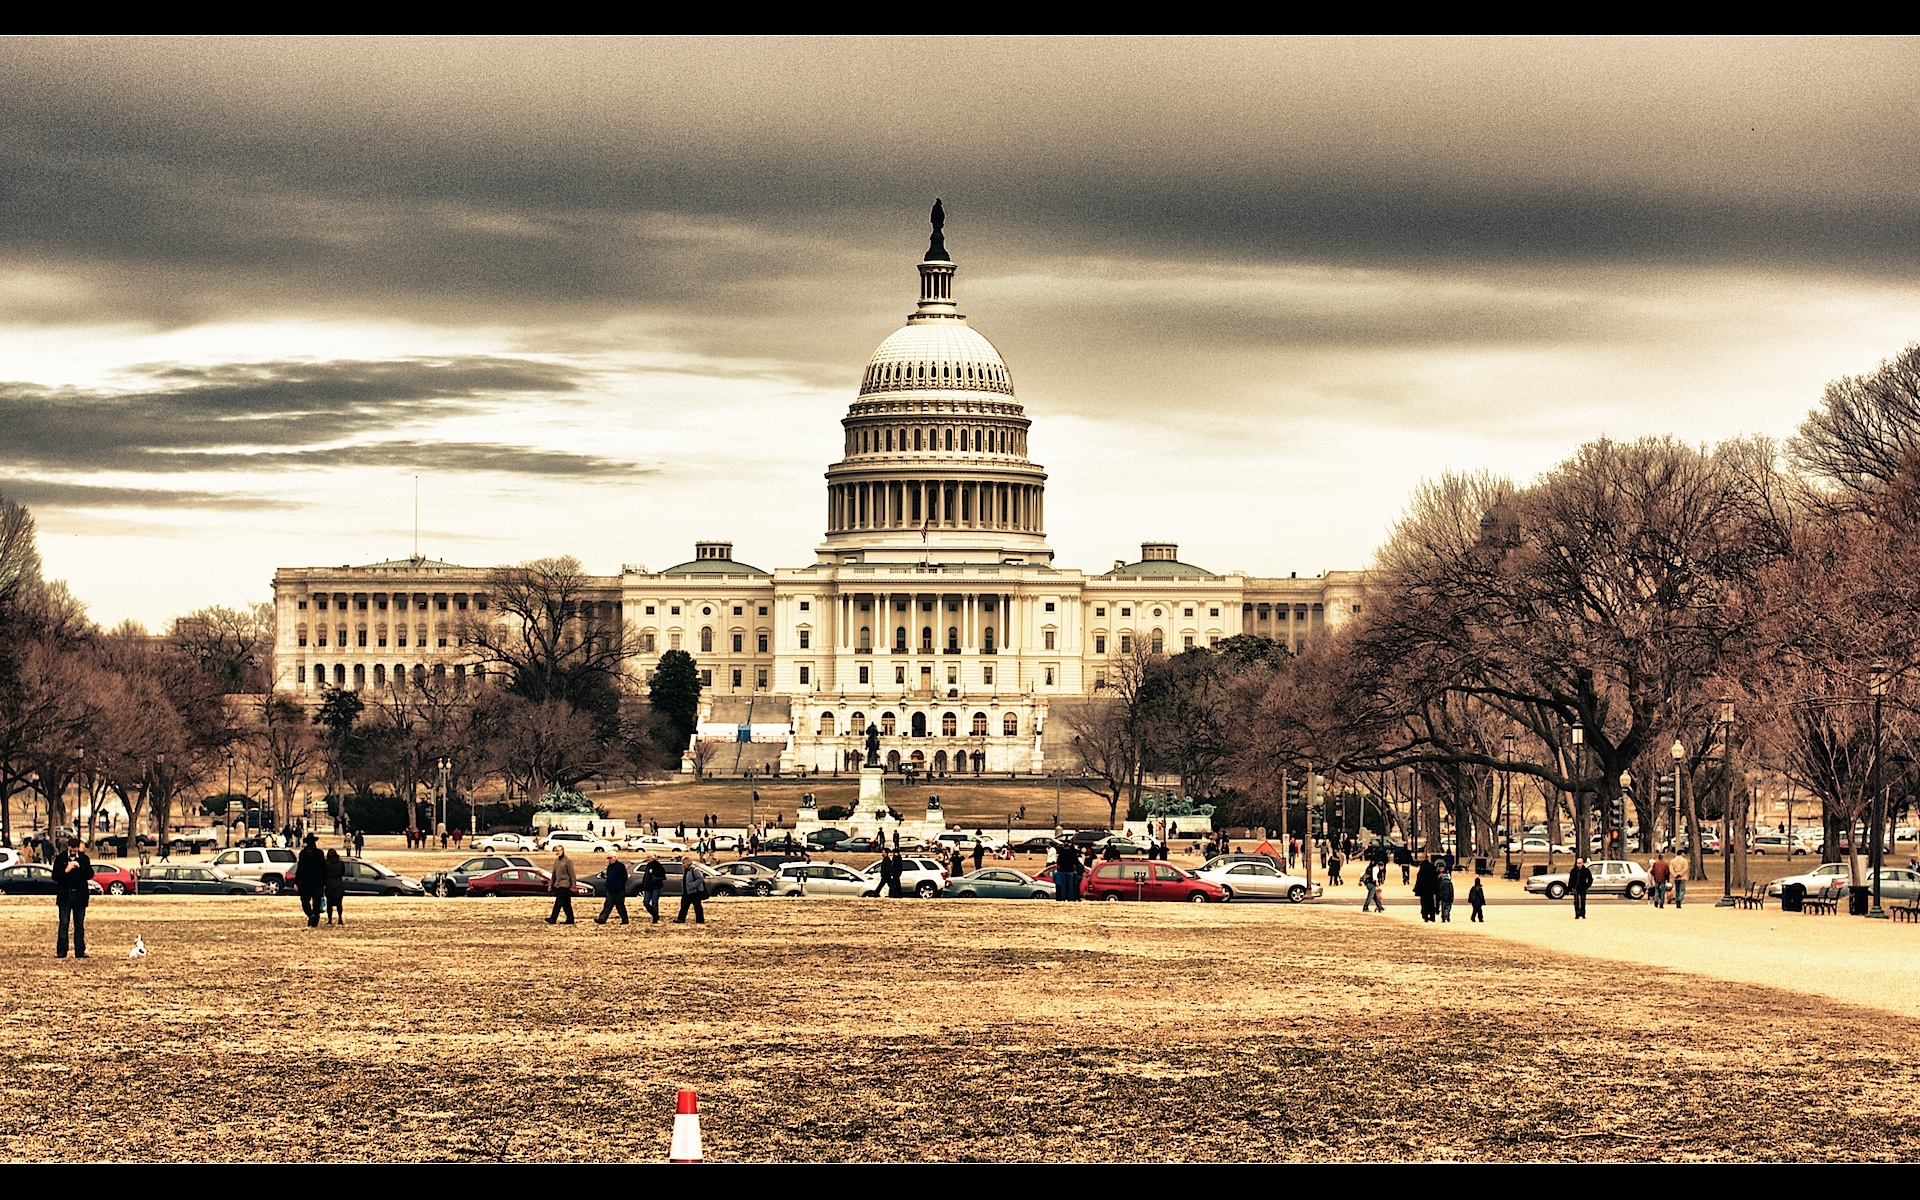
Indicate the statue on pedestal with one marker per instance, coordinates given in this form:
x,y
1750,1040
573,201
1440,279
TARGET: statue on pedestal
x,y
873,746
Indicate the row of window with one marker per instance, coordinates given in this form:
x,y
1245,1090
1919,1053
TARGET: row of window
x,y
889,725
988,441
420,600
706,610
358,674
1126,610
887,376
379,632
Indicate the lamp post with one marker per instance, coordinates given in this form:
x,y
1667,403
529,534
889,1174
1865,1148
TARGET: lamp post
x,y
1679,752
440,825
1581,850
1877,685
1506,801
1725,724
1626,790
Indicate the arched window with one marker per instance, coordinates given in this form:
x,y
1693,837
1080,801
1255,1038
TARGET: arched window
x,y
916,439
420,673
339,675
939,762
706,640
949,724
953,637
886,724
949,439
379,675
826,724
300,634
980,724
857,724
900,639
1010,726
926,638
986,639
1159,642
866,637
919,726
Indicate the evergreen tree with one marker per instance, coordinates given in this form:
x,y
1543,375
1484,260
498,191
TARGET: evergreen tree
x,y
675,695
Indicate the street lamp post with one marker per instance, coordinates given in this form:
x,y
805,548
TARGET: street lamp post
x,y
1580,850
1626,790
1725,722
440,825
1876,684
1506,801
1679,753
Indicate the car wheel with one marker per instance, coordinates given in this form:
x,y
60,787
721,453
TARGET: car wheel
x,y
1041,896
925,891
968,895
1556,891
1636,891
763,888
1197,898
271,884
160,891
443,890
1227,892
1297,893
1111,896
116,888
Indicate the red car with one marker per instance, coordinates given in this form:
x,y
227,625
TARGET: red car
x,y
115,881
1138,879
518,881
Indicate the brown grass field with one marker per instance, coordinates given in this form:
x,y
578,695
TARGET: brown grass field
x,y
999,1031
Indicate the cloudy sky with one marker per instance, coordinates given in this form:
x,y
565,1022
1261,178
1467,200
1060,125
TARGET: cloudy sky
x,y
603,298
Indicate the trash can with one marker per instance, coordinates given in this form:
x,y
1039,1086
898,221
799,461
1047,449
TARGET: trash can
x,y
1793,897
1513,871
1539,869
1480,867
1859,901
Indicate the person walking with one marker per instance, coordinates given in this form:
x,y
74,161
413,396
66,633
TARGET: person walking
x,y
310,880
616,891
1661,874
1443,894
72,870
564,877
1426,885
693,889
1679,887
359,843
1333,869
1372,877
979,851
336,888
891,871
1579,882
1477,897
653,878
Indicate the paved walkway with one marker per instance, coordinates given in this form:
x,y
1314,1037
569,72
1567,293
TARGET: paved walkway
x,y
1851,959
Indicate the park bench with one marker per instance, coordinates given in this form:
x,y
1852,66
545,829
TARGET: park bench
x,y
1826,901
1910,911
1754,897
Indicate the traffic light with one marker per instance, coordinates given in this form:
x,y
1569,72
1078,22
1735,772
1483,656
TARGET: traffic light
x,y
1664,789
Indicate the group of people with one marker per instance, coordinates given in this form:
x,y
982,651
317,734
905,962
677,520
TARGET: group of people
x,y
653,881
1432,884
422,839
321,880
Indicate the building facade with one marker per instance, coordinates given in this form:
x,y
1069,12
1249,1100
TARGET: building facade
x,y
933,609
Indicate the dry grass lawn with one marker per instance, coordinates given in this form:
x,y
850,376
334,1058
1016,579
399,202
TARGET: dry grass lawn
x,y
864,1030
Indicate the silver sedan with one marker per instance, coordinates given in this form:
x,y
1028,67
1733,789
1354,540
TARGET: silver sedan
x,y
1253,880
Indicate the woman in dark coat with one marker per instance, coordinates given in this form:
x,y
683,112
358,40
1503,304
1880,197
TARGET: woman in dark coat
x,y
336,888
1426,885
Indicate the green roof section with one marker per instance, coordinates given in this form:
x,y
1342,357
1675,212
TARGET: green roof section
x,y
713,566
399,564
1164,567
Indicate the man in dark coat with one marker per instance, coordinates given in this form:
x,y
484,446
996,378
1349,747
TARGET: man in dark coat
x,y
616,891
979,850
1579,882
72,871
1426,885
310,880
890,873
653,878
693,890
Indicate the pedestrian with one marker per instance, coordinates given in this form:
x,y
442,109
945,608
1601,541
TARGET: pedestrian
x,y
72,870
336,888
1579,880
891,869
1403,858
1679,887
310,880
1426,885
1333,869
616,891
1477,897
979,850
1371,878
359,843
1660,873
653,878
693,889
1443,893
564,877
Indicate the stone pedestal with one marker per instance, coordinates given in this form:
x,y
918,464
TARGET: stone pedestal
x,y
873,793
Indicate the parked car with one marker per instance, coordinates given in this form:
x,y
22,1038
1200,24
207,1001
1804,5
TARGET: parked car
x,y
498,842
364,878
115,880
1219,861
32,879
723,842
576,842
742,879
786,843
196,881
998,883
1611,877
8,856
648,843
922,877
1778,843
193,841
517,881
1537,845
453,881
1138,879
1033,845
1896,883
861,845
965,842
271,868
827,839
823,879
1258,879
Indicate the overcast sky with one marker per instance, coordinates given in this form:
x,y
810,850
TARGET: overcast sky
x,y
607,297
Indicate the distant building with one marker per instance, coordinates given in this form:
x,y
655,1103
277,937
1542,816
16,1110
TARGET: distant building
x,y
933,608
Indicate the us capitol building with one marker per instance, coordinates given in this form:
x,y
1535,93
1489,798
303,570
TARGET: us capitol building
x,y
933,608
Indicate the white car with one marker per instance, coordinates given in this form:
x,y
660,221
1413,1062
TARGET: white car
x,y
1611,877
647,843
501,842
922,877
8,857
576,842
267,866
823,879
1824,876
1252,880
1537,845
1779,843
964,842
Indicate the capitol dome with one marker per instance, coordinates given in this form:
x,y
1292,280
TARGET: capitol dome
x,y
935,462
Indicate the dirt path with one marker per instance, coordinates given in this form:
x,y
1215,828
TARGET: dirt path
x,y
820,1029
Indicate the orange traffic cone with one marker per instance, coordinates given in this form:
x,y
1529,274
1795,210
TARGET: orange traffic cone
x,y
686,1129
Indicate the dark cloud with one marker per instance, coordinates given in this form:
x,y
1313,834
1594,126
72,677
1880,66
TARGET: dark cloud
x,y
249,416
53,494
720,180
